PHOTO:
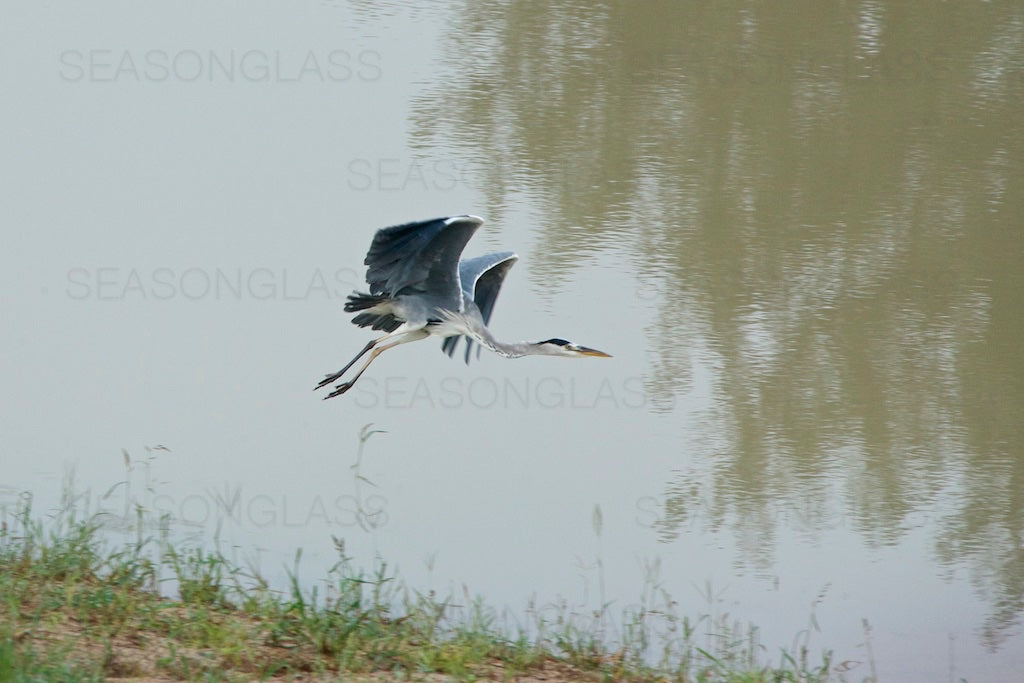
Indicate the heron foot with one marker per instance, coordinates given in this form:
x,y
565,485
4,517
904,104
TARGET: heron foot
x,y
326,380
339,390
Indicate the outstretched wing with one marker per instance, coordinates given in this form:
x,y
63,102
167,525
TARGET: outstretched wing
x,y
482,276
420,257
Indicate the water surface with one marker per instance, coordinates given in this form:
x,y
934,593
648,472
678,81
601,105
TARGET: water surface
x,y
797,228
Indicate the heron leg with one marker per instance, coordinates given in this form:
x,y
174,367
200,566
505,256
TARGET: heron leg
x,y
404,338
369,345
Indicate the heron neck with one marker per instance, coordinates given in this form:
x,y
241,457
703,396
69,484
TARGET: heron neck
x,y
483,336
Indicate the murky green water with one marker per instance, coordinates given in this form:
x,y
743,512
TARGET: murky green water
x,y
799,228
824,204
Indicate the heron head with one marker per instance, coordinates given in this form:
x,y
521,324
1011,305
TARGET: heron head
x,y
563,347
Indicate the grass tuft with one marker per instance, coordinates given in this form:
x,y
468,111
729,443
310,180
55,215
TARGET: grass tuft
x,y
74,609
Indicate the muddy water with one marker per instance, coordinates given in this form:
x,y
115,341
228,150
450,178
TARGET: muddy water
x,y
797,229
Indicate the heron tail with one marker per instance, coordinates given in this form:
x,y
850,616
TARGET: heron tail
x,y
359,301
379,319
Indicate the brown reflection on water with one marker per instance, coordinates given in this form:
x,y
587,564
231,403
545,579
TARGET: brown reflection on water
x,y
829,201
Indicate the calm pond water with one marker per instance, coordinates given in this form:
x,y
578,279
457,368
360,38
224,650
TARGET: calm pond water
x,y
797,227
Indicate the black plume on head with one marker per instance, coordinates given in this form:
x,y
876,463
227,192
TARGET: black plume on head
x,y
557,342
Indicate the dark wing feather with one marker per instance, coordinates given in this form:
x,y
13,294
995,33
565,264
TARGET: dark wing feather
x,y
483,276
489,280
419,257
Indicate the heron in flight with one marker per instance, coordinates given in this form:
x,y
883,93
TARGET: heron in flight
x,y
420,287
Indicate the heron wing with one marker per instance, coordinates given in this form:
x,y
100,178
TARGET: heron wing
x,y
420,257
483,277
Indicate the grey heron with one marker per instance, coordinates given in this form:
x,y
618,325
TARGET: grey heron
x,y
421,287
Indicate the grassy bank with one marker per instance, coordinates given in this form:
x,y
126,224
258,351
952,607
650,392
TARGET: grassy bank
x,y
73,607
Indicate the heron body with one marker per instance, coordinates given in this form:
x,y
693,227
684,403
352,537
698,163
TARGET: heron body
x,y
421,287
